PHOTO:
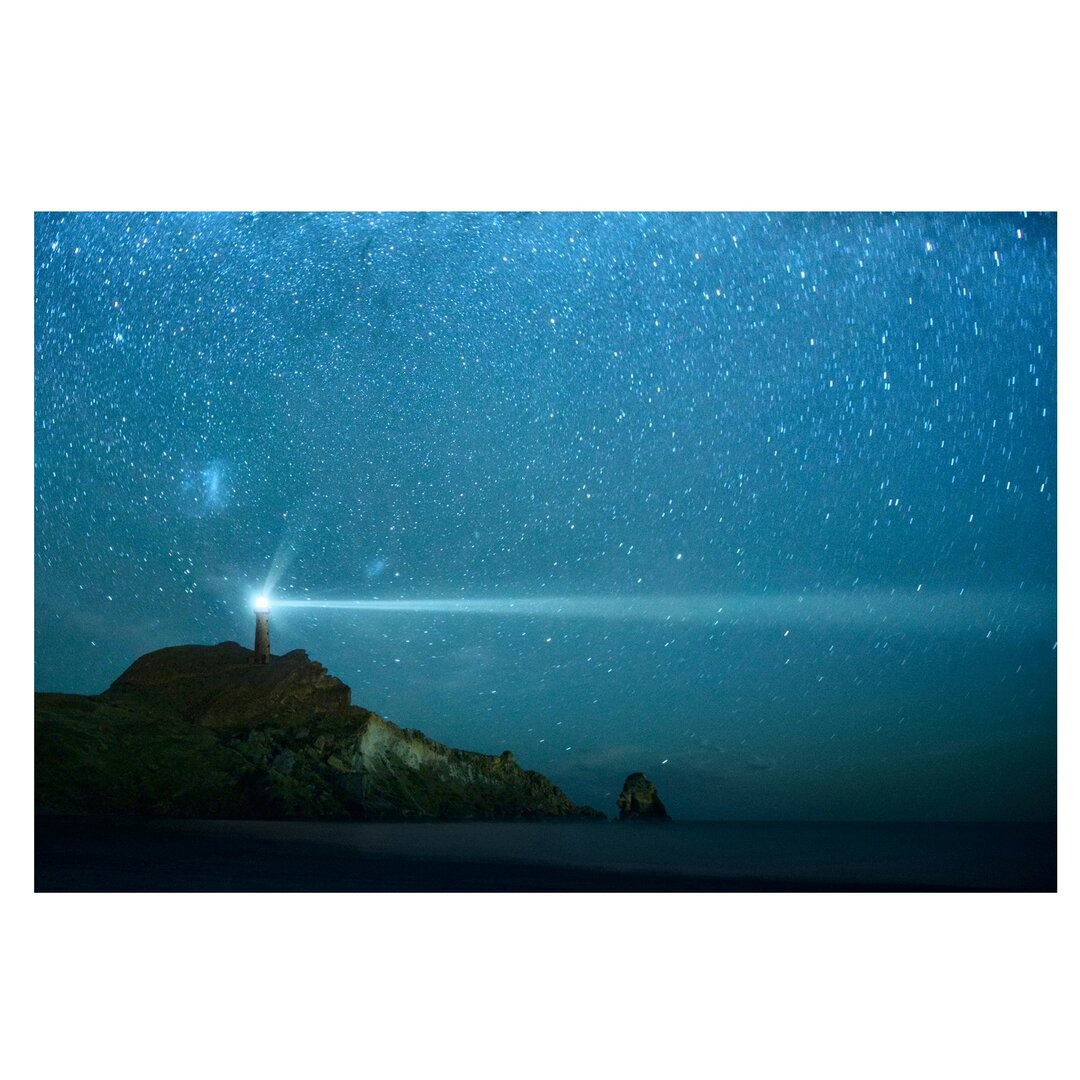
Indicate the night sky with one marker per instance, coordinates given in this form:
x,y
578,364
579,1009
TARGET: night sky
x,y
814,455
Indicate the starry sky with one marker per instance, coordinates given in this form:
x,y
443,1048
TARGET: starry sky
x,y
837,432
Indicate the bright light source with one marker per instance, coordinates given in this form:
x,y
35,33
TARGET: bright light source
x,y
262,604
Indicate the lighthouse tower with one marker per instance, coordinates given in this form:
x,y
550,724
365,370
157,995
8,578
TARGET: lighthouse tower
x,y
262,630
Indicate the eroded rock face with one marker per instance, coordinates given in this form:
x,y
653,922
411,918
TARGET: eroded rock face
x,y
639,800
201,731
219,686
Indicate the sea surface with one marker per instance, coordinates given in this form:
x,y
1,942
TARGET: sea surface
x,y
244,856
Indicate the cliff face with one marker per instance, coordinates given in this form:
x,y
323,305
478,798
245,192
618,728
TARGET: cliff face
x,y
201,731
218,686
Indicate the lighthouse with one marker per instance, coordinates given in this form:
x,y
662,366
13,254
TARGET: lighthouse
x,y
262,630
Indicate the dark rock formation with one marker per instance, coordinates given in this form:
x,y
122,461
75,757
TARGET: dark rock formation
x,y
639,800
201,731
219,686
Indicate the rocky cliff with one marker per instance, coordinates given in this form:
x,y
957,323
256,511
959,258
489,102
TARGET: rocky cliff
x,y
201,731
639,800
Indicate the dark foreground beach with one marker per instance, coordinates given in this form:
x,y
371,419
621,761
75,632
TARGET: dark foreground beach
x,y
246,856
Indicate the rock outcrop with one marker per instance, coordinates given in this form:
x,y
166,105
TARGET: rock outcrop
x,y
218,686
201,731
639,800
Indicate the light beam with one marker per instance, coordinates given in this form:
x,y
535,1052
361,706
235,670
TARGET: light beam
x,y
884,610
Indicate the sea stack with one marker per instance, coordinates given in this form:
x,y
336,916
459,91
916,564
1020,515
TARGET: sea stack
x,y
639,800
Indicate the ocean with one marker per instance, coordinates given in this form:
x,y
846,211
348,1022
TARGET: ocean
x,y
247,856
